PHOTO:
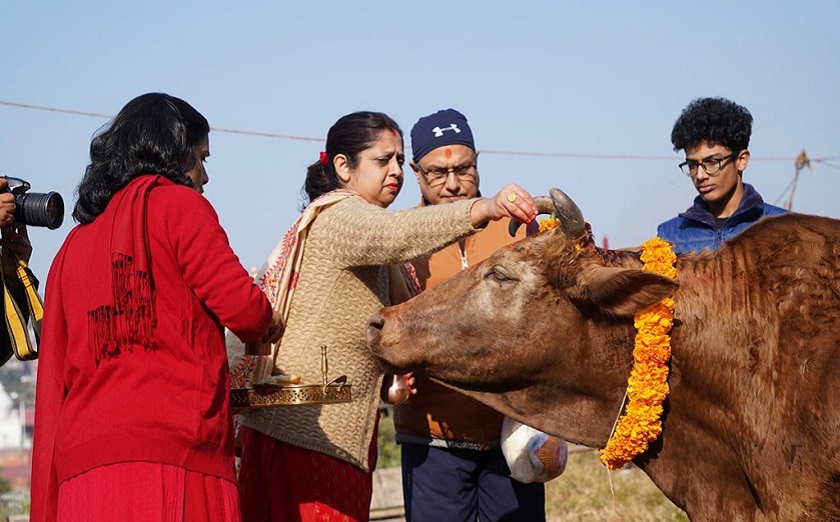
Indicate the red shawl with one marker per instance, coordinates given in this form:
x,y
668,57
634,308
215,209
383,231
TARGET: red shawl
x,y
122,314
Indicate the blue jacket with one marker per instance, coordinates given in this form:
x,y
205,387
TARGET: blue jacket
x,y
695,229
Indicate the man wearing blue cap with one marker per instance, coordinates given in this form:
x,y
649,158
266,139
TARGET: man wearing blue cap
x,y
452,465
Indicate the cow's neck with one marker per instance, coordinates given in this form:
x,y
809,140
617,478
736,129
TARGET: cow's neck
x,y
699,429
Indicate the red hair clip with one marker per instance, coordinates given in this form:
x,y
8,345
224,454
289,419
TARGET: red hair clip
x,y
323,158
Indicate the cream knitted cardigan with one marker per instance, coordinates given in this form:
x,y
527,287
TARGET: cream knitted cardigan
x,y
343,280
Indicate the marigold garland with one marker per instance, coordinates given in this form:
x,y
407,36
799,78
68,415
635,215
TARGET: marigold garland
x,y
549,223
647,386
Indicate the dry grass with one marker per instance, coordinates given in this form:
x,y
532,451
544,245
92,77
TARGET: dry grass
x,y
582,494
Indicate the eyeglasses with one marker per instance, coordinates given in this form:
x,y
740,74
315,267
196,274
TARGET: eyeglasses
x,y
711,165
438,176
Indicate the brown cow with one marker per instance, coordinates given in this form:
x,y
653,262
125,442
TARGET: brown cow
x,y
543,332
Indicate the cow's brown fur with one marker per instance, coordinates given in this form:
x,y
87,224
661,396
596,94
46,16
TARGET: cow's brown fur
x,y
543,332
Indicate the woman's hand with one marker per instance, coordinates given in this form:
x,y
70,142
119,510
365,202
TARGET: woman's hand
x,y
512,201
275,329
263,345
402,387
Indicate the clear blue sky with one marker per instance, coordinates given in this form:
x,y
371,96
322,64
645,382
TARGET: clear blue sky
x,y
567,78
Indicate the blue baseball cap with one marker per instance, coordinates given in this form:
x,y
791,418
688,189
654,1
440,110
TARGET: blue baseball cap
x,y
445,127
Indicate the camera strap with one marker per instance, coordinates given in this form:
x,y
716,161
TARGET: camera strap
x,y
16,318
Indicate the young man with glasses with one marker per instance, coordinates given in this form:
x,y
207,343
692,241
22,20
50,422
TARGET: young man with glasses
x,y
715,134
452,465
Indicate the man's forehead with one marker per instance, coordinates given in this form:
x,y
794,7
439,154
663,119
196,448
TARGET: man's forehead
x,y
447,153
705,149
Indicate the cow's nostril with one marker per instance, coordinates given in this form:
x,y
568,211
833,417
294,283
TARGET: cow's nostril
x,y
374,331
376,321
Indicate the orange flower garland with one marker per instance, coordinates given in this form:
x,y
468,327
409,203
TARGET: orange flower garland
x,y
549,223
648,383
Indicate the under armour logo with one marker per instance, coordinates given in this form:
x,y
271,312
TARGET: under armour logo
x,y
439,131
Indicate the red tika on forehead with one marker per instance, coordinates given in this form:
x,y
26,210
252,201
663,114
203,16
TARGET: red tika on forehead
x,y
447,152
393,132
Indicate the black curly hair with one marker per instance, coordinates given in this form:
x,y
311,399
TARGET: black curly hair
x,y
154,133
716,120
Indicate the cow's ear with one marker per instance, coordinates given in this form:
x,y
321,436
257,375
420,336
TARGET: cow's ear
x,y
623,292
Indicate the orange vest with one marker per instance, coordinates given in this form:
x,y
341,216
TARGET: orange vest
x,y
438,415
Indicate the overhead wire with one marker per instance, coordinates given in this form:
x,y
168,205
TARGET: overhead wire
x,y
273,135
109,116
826,164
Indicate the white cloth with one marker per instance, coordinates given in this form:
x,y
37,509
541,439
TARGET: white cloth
x,y
531,455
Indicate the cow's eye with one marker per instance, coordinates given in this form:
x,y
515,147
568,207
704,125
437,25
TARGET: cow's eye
x,y
499,275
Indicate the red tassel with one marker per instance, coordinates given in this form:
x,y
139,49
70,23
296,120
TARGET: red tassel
x,y
117,329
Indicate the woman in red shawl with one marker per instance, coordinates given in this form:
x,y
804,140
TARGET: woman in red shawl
x,y
132,412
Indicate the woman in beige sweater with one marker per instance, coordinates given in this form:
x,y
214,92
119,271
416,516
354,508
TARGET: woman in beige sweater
x,y
315,462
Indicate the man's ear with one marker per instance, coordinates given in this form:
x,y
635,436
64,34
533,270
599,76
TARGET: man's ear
x,y
742,160
478,177
342,168
416,170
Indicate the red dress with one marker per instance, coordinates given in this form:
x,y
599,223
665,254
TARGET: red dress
x,y
281,482
154,493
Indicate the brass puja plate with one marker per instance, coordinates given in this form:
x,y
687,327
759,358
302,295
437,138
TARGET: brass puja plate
x,y
270,395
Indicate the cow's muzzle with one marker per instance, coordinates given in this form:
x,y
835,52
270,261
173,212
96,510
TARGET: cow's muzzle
x,y
384,346
373,332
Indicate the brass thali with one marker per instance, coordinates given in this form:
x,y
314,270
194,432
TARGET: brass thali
x,y
333,391
270,395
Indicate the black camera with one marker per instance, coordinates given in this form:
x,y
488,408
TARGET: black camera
x,y
33,208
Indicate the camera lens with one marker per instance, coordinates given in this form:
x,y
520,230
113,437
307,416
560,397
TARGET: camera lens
x,y
40,210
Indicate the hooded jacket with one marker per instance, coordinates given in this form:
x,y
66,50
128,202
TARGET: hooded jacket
x,y
695,229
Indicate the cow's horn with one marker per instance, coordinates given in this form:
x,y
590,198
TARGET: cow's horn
x,y
544,204
571,218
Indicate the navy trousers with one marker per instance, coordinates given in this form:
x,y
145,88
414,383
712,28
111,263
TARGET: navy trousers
x,y
459,485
